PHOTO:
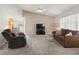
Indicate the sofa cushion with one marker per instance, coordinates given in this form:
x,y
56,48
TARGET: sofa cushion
x,y
65,31
77,33
73,32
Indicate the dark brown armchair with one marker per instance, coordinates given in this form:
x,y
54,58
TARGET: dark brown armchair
x,y
13,40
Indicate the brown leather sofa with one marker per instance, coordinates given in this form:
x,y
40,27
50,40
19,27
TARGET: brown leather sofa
x,y
67,41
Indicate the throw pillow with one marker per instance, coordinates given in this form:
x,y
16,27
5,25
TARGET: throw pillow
x,y
69,34
58,32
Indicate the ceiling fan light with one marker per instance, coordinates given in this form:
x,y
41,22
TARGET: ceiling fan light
x,y
39,10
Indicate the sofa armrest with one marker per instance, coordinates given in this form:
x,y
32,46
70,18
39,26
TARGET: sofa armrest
x,y
54,32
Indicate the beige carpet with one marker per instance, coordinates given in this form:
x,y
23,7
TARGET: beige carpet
x,y
41,45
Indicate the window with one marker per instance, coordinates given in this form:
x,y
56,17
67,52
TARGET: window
x,y
70,22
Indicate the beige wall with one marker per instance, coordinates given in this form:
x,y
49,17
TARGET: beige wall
x,y
32,19
10,11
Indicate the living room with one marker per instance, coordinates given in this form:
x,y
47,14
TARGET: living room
x,y
36,29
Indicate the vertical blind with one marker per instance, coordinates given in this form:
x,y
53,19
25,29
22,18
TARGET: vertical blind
x,y
70,22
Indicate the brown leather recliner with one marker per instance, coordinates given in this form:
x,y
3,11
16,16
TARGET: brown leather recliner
x,y
13,40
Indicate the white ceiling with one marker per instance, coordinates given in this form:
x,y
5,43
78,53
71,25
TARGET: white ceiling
x,y
48,9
